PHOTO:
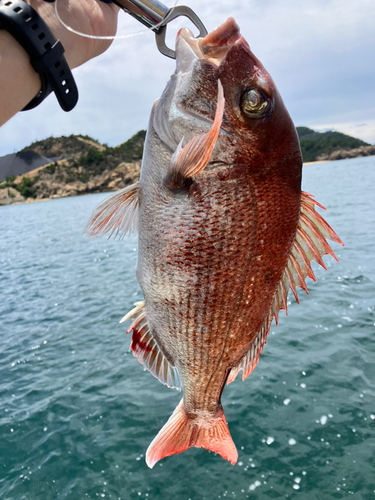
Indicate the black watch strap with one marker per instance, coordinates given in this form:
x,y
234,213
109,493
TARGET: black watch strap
x,y
46,53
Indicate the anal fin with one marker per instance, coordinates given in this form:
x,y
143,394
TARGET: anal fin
x,y
147,351
139,306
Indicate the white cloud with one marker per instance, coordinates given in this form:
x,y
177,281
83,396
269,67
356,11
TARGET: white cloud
x,y
364,131
320,53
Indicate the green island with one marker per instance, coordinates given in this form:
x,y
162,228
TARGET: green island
x,y
78,164
328,146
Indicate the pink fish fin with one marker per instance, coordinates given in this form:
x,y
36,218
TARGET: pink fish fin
x,y
310,244
234,372
183,431
116,215
192,159
147,351
251,358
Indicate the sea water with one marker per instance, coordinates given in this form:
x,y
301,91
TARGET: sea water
x,y
77,410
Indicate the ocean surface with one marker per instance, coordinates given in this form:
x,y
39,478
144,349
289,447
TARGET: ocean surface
x,y
77,410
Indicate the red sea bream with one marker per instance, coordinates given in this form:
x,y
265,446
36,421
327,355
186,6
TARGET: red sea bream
x,y
224,231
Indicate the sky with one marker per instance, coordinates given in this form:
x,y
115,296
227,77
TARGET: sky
x,y
320,53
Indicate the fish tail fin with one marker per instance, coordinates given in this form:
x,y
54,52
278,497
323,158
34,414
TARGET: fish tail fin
x,y
183,431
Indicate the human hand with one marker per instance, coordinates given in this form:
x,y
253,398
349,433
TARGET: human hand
x,y
19,83
91,17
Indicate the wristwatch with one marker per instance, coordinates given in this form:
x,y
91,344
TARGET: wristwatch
x,y
45,51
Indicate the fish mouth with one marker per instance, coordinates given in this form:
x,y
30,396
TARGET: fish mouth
x,y
213,48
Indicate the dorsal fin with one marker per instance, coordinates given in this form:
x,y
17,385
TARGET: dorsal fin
x,y
147,351
116,215
251,358
309,244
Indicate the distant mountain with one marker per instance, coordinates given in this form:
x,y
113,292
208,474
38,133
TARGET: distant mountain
x,y
75,165
320,145
59,148
81,165
20,163
44,152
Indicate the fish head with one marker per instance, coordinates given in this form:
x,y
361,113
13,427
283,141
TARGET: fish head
x,y
256,129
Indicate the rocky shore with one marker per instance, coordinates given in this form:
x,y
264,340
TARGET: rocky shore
x,y
94,168
342,154
83,165
9,196
48,186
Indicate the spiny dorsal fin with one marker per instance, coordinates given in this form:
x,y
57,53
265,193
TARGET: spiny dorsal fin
x,y
251,358
192,159
309,244
116,215
147,351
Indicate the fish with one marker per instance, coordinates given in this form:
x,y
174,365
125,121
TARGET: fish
x,y
224,231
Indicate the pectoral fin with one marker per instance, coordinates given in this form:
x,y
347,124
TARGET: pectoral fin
x,y
191,159
116,215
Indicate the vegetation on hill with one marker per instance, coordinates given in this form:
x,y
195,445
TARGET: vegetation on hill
x,y
64,147
87,167
84,165
95,162
316,144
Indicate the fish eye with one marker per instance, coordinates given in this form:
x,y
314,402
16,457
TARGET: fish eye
x,y
255,103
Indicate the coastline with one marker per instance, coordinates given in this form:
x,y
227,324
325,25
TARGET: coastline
x,y
111,181
316,162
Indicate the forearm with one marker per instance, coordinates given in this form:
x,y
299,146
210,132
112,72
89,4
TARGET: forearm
x,y
19,83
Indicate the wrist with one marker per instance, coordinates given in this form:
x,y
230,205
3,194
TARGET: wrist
x,y
19,83
88,16
74,57
46,53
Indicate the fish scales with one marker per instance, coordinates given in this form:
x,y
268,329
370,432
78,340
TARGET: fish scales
x,y
203,305
224,231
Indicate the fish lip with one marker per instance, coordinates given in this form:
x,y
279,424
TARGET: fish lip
x,y
213,50
214,47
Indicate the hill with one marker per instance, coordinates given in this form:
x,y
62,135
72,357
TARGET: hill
x,y
58,148
317,146
44,152
20,163
81,165
77,165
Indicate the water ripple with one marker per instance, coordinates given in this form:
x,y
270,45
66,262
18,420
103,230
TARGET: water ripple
x,y
78,411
